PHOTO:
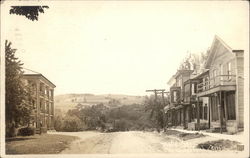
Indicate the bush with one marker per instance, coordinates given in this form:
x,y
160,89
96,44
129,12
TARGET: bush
x,y
121,125
27,131
58,123
72,124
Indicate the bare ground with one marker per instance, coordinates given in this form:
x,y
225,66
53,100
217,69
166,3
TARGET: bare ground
x,y
135,142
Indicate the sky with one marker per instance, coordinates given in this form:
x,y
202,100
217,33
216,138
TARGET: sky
x,y
119,47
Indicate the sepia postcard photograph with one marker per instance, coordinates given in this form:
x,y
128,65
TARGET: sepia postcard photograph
x,y
124,79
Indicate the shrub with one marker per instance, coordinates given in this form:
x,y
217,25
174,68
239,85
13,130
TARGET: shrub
x,y
121,125
72,124
26,131
58,123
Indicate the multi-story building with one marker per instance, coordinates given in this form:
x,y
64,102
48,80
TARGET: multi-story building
x,y
223,85
212,98
176,110
42,91
197,108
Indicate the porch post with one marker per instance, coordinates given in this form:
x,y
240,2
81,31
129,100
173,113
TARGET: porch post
x,y
209,112
184,116
225,105
198,114
220,111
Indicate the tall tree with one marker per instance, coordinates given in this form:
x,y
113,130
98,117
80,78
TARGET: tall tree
x,y
17,98
155,106
30,12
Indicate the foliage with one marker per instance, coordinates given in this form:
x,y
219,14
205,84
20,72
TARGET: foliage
x,y
93,116
30,12
126,117
58,123
68,123
72,124
114,103
26,131
17,98
121,125
156,108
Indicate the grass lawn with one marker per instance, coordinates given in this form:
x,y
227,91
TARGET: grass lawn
x,y
38,144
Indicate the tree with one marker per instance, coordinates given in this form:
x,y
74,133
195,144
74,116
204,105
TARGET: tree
x,y
114,103
30,12
17,99
155,106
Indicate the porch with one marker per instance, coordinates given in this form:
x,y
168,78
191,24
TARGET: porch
x,y
216,84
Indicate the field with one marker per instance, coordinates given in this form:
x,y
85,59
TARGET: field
x,y
70,101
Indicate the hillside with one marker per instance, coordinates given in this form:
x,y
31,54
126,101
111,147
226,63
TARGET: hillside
x,y
69,101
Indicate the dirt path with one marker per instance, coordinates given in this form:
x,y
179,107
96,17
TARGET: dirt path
x,y
132,142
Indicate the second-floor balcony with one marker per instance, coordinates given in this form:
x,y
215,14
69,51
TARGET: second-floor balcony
x,y
217,83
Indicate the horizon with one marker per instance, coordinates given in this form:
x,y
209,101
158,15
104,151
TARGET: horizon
x,y
101,94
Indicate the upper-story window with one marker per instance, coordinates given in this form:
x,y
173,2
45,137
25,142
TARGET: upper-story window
x,y
194,88
180,83
51,93
42,89
221,69
221,72
41,105
229,70
207,82
214,73
175,96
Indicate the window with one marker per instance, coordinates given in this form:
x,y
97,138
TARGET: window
x,y
229,70
180,83
214,73
34,104
221,72
45,105
207,83
51,93
41,87
194,88
41,102
201,111
175,96
48,107
214,76
221,69
205,112
214,108
231,105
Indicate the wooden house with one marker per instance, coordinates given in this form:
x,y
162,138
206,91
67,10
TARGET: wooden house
x,y
223,85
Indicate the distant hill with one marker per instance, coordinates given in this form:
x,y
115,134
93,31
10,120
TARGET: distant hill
x,y
69,101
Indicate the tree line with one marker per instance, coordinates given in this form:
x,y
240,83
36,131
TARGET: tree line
x,y
105,118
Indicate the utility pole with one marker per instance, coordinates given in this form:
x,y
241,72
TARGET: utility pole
x,y
156,91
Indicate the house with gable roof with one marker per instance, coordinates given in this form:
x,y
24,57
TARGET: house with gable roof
x,y
223,84
212,96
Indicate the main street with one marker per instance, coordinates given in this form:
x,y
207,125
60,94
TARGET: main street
x,y
132,142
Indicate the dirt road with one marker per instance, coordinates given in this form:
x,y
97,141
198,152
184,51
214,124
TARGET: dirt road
x,y
132,142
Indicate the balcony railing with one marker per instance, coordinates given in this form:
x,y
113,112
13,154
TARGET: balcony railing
x,y
219,80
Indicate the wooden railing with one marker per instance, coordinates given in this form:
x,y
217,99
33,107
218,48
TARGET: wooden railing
x,y
216,81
